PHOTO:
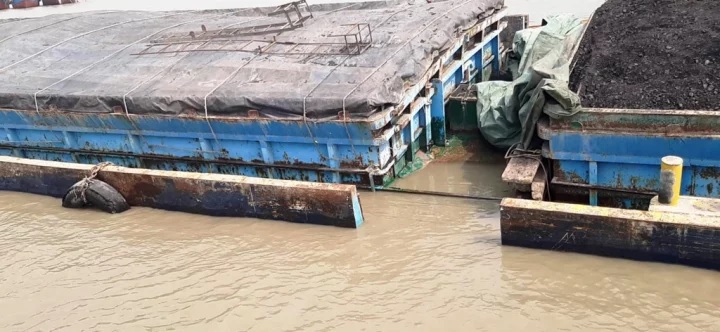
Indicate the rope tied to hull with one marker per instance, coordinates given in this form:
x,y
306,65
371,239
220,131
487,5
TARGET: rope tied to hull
x,y
84,184
91,191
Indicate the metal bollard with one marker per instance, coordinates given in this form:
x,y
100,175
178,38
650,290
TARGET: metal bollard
x,y
670,180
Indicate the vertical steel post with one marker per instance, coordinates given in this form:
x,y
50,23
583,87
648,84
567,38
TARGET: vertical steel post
x,y
437,113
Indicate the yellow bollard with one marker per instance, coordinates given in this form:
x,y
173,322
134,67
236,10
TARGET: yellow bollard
x,y
670,180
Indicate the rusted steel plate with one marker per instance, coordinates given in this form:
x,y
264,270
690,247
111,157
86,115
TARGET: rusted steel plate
x,y
643,235
200,193
682,123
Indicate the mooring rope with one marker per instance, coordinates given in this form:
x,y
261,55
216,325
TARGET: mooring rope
x,y
84,184
439,193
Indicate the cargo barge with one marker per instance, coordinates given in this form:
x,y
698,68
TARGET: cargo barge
x,y
293,93
611,156
596,185
342,94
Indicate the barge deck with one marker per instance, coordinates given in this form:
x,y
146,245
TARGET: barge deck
x,y
349,122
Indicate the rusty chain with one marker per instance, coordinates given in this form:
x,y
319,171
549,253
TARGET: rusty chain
x,y
84,184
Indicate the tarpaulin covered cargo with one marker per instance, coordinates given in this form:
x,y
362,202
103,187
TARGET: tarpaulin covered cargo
x,y
224,62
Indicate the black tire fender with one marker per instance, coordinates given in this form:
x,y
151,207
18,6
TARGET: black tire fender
x,y
98,194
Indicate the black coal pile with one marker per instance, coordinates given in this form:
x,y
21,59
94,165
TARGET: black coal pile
x,y
651,54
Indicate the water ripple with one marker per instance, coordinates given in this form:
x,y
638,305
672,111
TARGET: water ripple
x,y
419,263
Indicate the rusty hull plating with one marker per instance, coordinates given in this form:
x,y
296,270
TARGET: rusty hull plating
x,y
642,235
208,194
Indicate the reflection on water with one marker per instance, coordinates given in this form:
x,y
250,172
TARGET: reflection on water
x,y
476,179
420,263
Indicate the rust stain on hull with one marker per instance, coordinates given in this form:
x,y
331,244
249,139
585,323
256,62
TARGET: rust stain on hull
x,y
679,123
209,194
666,237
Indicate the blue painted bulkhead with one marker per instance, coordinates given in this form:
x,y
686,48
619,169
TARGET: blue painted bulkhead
x,y
366,152
233,146
633,162
620,150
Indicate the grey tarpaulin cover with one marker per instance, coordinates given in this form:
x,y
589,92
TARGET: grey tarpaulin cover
x,y
87,62
509,111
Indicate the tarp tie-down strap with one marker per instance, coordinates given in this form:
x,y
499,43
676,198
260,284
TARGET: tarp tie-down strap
x,y
347,131
228,78
426,26
76,37
36,29
340,64
170,66
205,99
101,87
37,108
248,62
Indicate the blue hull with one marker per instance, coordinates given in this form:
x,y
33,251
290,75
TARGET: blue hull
x,y
620,150
271,149
368,152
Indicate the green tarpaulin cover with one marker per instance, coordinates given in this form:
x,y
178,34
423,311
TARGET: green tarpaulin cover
x,y
509,111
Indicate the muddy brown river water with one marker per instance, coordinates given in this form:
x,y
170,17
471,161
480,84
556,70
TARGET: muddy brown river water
x,y
420,263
